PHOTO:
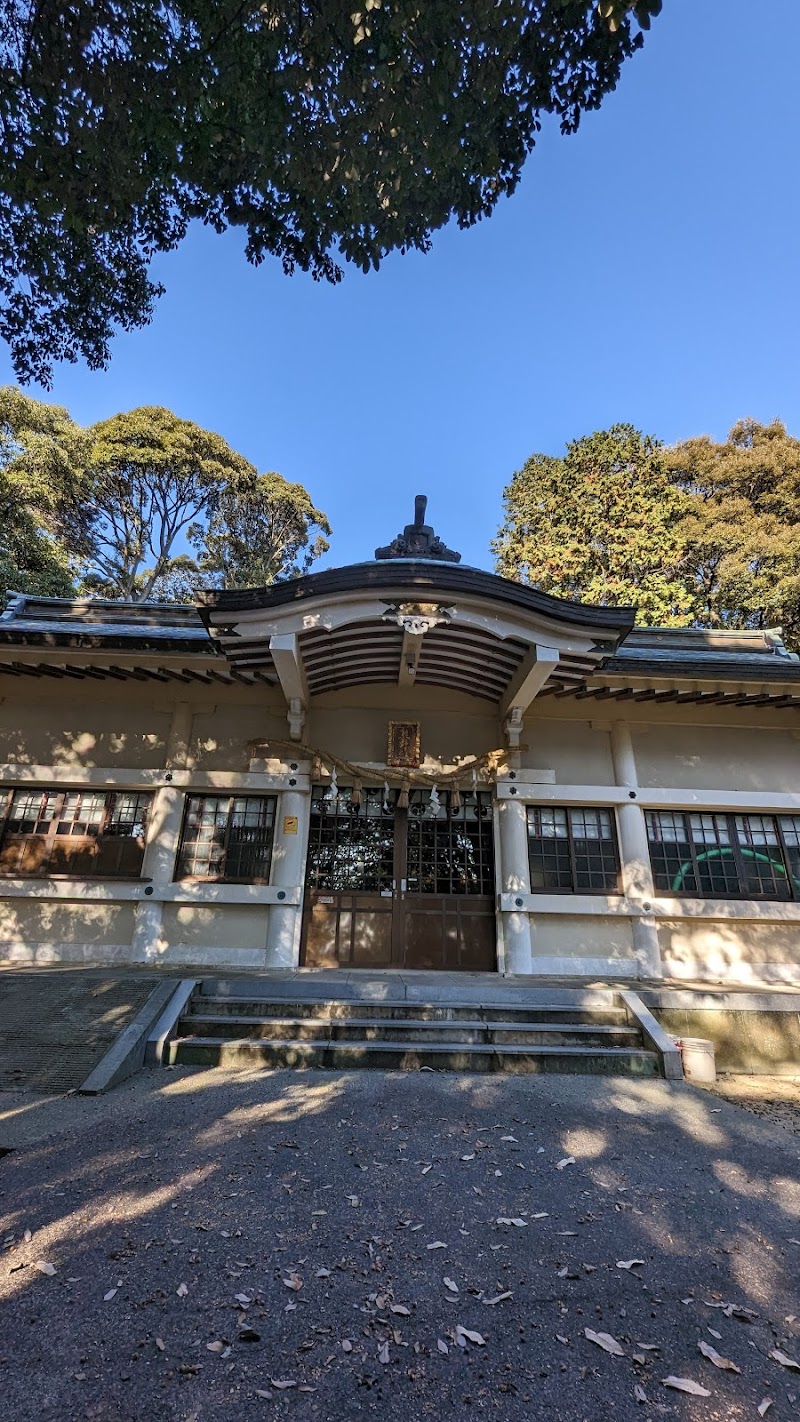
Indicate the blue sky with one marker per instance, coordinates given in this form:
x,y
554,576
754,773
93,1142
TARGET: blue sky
x,y
647,269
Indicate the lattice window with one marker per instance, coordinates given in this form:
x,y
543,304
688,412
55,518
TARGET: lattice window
x,y
450,851
351,846
572,850
724,856
92,833
227,837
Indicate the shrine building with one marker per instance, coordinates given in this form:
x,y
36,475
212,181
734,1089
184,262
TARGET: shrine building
x,y
405,763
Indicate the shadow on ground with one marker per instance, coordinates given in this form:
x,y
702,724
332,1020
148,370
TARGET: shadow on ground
x,y
279,1244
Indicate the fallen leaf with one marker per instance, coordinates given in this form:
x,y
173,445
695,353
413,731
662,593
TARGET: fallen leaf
x,y
383,1353
44,1267
400,1308
568,1160
451,1285
468,1157
347,1346
28,1236
639,1393
717,1358
293,1282
714,1333
470,1335
249,1335
323,1274
628,1263
543,1215
498,1298
784,1360
109,1295
764,1406
283,1383
505,1220
605,1341
216,1346
182,1290
442,1346
437,1244
509,1138
686,1385
161,1345
263,1392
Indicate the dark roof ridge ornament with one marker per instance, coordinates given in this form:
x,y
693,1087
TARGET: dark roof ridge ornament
x,y
418,539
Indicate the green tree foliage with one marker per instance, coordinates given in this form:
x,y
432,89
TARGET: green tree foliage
x,y
113,508
741,530
30,561
42,452
262,529
153,476
319,129
601,524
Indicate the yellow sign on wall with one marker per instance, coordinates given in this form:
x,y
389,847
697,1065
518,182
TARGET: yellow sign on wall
x,y
290,824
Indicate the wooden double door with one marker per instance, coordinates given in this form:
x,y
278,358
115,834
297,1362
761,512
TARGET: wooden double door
x,y
400,888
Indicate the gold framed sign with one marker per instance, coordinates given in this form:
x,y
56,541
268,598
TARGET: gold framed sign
x,y
403,747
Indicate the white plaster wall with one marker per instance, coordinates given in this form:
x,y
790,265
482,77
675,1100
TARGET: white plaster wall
x,y
204,926
58,730
579,754
220,735
717,757
447,729
580,937
42,931
725,947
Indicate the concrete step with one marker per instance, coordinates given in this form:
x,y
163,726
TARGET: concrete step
x,y
348,1010
410,1029
411,1056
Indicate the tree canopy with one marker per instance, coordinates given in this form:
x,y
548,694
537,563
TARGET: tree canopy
x,y
153,477
702,533
42,451
322,131
114,510
261,529
599,525
741,530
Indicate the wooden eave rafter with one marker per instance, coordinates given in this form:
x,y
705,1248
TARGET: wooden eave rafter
x,y
677,691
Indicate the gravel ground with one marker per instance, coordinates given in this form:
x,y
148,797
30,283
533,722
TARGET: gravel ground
x,y
236,1246
775,1098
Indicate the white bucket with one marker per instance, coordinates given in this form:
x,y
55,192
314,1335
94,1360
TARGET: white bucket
x,y
697,1056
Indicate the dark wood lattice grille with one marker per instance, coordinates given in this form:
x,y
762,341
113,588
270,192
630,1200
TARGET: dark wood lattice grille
x,y
351,848
453,852
74,832
227,837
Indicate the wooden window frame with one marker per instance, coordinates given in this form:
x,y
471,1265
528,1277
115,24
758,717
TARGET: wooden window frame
x,y
729,817
224,878
49,838
574,889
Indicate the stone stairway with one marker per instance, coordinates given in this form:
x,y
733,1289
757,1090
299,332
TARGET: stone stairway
x,y
247,1023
